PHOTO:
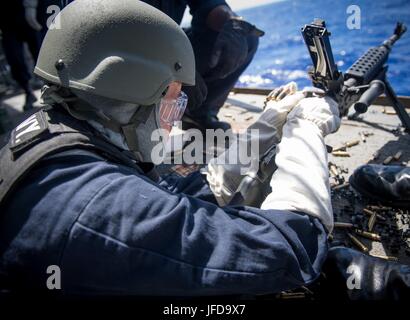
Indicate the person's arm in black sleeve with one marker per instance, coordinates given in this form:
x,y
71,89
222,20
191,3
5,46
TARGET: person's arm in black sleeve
x,y
202,17
231,32
30,14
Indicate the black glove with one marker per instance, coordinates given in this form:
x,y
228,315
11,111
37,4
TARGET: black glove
x,y
379,279
390,184
231,47
196,94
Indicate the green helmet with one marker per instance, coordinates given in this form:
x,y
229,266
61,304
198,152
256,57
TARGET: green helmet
x,y
124,50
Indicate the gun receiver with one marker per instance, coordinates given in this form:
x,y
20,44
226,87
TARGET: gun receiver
x,y
363,82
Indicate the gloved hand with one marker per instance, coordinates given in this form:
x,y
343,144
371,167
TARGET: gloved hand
x,y
224,176
30,14
357,276
281,92
390,184
301,182
323,112
277,106
196,94
231,47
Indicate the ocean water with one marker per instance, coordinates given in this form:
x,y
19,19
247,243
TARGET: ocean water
x,y
282,55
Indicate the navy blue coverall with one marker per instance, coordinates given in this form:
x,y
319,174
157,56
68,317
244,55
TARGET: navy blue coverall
x,y
112,230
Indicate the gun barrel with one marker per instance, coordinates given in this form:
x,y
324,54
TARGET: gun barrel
x,y
398,32
375,89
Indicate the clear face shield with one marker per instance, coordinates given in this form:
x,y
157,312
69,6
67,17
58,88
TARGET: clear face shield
x,y
172,106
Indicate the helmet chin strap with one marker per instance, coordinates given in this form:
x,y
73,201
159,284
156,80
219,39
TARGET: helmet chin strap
x,y
129,130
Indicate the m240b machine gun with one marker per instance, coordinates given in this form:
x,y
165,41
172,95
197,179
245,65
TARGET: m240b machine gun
x,y
363,82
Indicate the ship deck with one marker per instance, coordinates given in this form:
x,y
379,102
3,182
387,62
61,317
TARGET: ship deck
x,y
378,137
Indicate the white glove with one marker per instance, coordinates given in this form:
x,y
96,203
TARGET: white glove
x,y
301,182
323,112
279,103
31,18
278,94
224,178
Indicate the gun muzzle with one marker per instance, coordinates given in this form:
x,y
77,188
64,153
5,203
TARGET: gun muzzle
x,y
398,32
376,88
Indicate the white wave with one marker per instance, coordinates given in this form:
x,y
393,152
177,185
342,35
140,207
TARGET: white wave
x,y
236,5
246,4
288,74
254,80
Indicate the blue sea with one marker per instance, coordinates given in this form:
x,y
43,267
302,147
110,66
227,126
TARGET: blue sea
x,y
282,55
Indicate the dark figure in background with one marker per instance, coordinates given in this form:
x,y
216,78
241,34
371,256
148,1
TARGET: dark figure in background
x,y
15,32
224,46
39,13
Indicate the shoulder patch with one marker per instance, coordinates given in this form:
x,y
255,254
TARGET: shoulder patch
x,y
28,130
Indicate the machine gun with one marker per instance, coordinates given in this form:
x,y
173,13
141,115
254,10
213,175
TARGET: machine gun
x,y
363,82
